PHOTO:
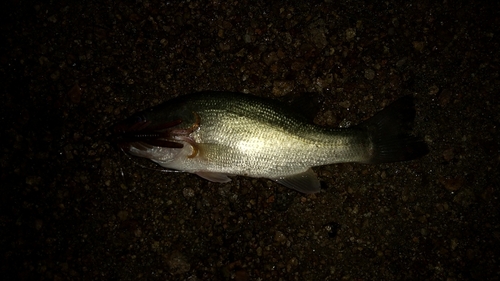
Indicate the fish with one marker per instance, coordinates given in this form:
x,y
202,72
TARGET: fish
x,y
216,135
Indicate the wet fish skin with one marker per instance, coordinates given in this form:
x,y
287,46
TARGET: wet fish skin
x,y
223,133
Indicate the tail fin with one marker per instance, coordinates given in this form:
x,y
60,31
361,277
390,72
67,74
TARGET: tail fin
x,y
389,132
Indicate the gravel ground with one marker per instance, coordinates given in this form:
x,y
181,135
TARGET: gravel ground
x,y
74,207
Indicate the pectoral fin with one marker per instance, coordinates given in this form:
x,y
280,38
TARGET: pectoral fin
x,y
214,177
305,182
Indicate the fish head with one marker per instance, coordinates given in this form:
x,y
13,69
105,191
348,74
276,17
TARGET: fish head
x,y
159,135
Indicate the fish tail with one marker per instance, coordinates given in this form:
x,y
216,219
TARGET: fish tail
x,y
390,133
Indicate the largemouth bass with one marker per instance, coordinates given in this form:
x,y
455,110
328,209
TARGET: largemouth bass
x,y
218,134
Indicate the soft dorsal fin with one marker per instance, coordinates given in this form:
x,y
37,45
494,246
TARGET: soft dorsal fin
x,y
305,182
306,104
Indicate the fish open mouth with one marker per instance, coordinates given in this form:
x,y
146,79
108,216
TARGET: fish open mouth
x,y
142,134
124,134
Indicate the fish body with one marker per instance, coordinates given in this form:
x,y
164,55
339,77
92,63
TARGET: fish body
x,y
216,134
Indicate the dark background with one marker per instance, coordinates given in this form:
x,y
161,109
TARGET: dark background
x,y
73,207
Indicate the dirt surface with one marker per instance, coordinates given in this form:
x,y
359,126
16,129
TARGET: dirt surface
x,y
74,207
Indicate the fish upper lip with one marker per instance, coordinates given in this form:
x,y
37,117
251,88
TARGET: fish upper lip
x,y
116,139
116,136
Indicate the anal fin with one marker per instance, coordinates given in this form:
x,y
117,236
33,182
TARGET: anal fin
x,y
305,182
